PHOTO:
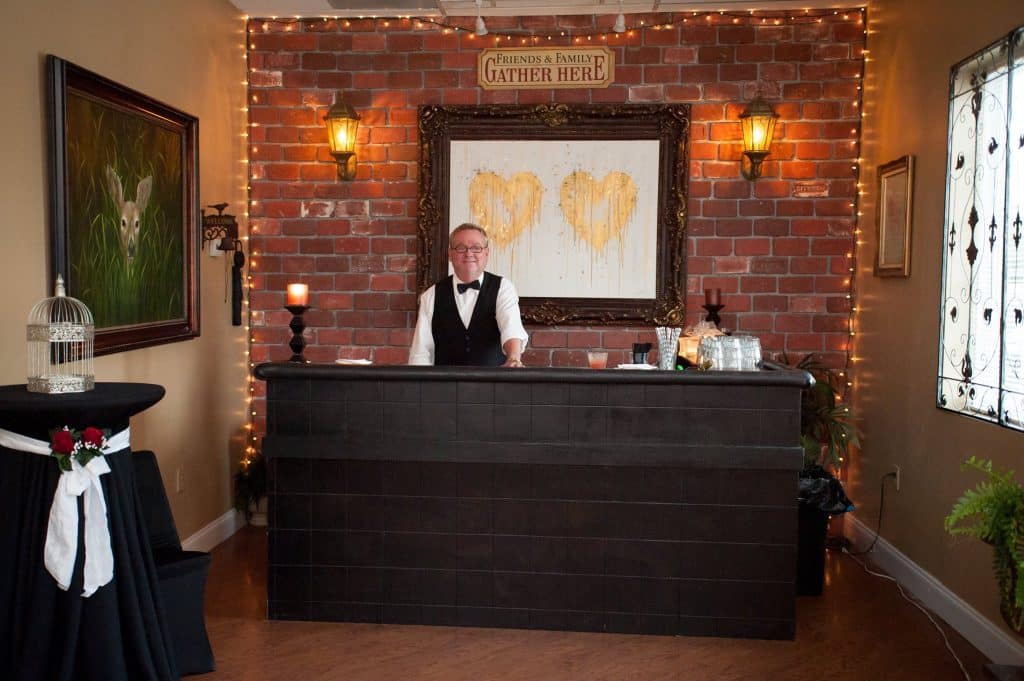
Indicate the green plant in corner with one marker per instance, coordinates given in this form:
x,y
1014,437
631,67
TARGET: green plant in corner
x,y
250,485
827,430
994,513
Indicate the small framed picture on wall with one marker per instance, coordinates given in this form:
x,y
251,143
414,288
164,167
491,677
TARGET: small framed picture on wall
x,y
894,217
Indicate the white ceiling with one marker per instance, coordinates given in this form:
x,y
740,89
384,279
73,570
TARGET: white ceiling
x,y
454,8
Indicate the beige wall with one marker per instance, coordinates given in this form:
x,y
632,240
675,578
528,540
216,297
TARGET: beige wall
x,y
913,44
189,54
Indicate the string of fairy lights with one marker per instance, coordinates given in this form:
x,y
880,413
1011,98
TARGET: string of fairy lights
x,y
853,311
561,36
577,36
249,447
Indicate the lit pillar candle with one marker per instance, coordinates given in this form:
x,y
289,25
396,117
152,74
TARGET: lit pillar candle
x,y
298,294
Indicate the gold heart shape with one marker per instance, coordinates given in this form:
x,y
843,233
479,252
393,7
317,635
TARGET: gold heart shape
x,y
598,211
505,208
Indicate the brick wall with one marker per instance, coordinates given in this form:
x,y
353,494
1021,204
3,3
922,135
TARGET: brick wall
x,y
781,261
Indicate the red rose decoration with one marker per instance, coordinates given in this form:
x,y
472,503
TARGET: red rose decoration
x,y
92,437
62,442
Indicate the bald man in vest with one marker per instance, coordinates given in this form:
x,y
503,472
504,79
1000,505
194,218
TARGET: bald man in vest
x,y
470,318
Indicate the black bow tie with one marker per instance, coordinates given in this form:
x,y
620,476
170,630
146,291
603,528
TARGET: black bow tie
x,y
473,284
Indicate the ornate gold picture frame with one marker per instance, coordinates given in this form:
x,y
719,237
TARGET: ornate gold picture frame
x,y
585,205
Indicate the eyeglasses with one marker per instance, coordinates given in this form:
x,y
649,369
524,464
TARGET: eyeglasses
x,y
475,250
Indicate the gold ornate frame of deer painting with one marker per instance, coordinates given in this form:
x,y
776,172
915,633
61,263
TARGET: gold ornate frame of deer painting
x,y
585,205
124,208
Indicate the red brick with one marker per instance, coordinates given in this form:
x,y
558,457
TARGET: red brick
x,y
840,130
793,52
754,53
318,61
618,339
731,227
707,112
661,74
732,264
820,110
756,207
801,91
645,93
837,207
771,227
753,285
809,265
737,72
548,339
722,91
719,208
753,246
769,265
715,247
771,303
387,282
669,36
680,55
719,170
716,54
754,322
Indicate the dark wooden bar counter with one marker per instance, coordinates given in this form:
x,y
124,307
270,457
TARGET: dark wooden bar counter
x,y
596,500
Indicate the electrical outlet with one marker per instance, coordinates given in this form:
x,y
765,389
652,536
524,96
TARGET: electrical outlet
x,y
898,470
179,480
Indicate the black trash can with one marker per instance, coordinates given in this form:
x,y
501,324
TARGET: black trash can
x,y
812,526
821,496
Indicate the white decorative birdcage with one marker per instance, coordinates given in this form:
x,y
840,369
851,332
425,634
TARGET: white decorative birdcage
x,y
60,345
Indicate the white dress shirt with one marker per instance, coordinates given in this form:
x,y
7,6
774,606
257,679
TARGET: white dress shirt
x,y
510,324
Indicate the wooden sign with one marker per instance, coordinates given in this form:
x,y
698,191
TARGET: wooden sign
x,y
523,68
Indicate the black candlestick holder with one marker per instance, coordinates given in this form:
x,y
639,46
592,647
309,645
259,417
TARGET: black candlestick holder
x,y
713,314
297,325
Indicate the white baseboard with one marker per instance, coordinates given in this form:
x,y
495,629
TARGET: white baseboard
x,y
993,642
216,532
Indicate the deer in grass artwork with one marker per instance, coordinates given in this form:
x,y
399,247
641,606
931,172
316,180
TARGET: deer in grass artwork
x,y
129,212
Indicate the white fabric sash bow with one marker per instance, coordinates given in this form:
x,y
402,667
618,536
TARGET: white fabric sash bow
x,y
61,545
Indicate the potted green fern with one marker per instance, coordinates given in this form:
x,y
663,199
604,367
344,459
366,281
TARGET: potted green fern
x,y
994,512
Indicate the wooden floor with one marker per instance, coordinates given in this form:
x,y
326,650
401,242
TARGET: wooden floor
x,y
859,630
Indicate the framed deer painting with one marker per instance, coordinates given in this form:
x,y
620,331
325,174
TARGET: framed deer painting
x,y
124,208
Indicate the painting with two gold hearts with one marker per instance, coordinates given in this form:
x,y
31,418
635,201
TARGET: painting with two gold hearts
x,y
569,216
585,205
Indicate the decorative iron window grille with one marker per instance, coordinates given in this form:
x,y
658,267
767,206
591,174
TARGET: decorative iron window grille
x,y
981,351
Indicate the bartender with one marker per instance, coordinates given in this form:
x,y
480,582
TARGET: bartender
x,y
470,318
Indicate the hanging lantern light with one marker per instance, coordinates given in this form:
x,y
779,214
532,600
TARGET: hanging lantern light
x,y
342,123
758,121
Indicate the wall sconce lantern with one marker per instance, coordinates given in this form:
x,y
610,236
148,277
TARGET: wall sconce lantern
x,y
221,231
342,123
758,121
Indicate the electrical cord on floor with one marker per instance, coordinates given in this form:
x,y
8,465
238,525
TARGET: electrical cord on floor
x,y
917,605
878,528
853,556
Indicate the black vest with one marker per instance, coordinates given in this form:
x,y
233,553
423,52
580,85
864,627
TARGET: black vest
x,y
454,344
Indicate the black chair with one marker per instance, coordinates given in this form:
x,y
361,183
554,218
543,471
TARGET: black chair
x,y
182,573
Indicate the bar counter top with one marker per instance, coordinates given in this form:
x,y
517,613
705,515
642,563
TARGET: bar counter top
x,y
771,375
